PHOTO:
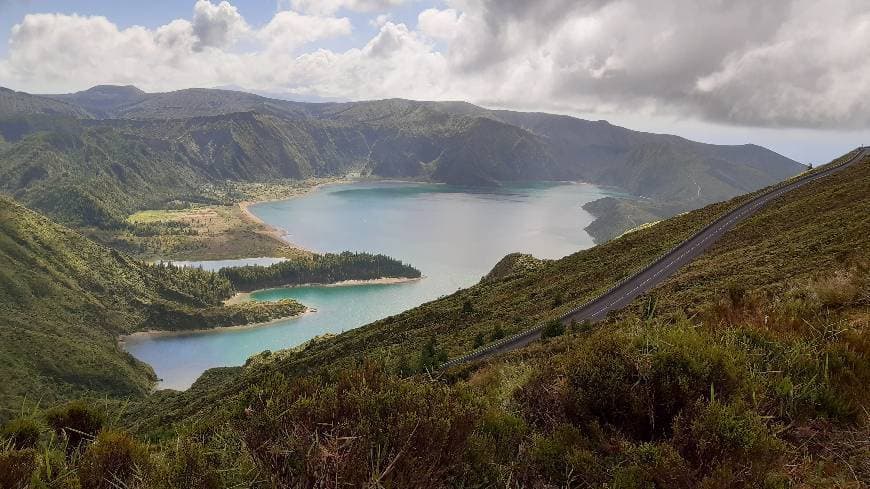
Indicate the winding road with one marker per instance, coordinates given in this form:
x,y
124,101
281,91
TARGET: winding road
x,y
624,292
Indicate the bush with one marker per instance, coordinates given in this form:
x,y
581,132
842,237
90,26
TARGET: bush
x,y
652,465
564,458
190,465
502,431
552,328
22,433
76,421
358,427
113,460
16,468
727,439
635,384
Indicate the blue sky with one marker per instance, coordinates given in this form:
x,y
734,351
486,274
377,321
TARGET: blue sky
x,y
791,75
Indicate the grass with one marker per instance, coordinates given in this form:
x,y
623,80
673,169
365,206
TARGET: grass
x,y
202,232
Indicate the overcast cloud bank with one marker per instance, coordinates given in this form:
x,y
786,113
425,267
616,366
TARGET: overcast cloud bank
x,y
783,63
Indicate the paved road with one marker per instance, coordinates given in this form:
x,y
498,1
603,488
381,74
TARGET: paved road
x,y
629,289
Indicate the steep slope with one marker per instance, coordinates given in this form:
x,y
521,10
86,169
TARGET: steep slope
x,y
823,228
64,301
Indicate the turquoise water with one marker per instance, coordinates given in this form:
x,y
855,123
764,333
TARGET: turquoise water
x,y
453,235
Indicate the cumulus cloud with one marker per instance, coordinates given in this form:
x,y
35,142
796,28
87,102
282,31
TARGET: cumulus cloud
x,y
741,62
59,53
217,25
288,30
439,24
329,7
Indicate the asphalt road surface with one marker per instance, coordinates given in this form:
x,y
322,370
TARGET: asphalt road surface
x,y
629,289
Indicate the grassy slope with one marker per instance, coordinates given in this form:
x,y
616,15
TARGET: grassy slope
x,y
65,299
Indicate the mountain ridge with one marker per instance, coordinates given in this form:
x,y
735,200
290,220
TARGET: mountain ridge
x,y
204,136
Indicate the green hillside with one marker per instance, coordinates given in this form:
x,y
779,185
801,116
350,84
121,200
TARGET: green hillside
x,y
66,299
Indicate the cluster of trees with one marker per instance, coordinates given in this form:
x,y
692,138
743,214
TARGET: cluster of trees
x,y
319,269
185,283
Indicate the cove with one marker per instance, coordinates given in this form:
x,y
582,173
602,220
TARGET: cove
x,y
454,235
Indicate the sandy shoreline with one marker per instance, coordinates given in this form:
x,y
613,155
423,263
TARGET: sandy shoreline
x,y
275,232
158,333
268,229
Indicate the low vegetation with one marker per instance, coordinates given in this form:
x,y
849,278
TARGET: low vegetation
x,y
199,232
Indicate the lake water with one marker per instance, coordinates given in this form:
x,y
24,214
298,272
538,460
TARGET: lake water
x,y
453,235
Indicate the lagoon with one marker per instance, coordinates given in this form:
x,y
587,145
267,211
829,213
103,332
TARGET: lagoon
x,y
454,235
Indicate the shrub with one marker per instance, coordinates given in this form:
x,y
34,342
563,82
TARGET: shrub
x,y
497,333
431,356
564,458
552,328
838,289
190,465
652,465
76,421
22,433
501,431
727,439
16,468
635,384
358,427
113,460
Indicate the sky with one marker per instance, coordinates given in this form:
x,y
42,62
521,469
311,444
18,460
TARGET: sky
x,y
792,75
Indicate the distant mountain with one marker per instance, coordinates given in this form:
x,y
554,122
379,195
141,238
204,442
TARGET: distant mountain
x,y
14,103
162,146
103,100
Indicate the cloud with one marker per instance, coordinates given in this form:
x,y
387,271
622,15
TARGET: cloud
x,y
51,53
329,7
288,30
439,24
217,25
783,63
742,62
